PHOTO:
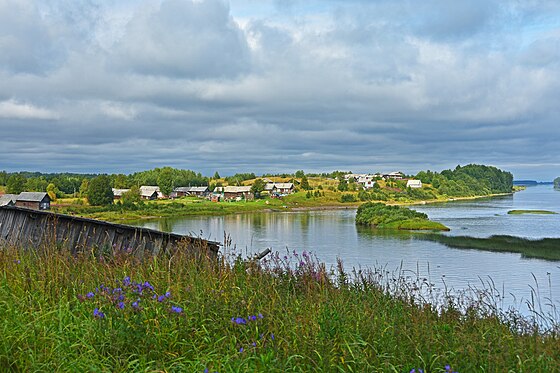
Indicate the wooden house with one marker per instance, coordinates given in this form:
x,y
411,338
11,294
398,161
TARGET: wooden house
x,y
8,200
149,192
235,192
34,200
414,183
117,193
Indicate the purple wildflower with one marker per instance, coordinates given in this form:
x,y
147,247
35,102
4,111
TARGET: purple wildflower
x,y
447,368
135,304
252,318
126,281
260,316
121,305
98,314
254,344
167,294
17,261
147,285
176,309
241,350
272,337
239,320
90,295
161,298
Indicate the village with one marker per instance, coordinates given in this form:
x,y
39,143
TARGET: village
x,y
228,193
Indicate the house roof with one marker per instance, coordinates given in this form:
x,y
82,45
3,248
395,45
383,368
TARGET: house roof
x,y
233,189
199,189
284,185
119,192
32,196
413,182
8,199
148,191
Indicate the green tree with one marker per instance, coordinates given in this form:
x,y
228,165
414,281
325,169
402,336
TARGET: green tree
x,y
557,183
299,174
15,184
343,185
258,187
132,196
84,188
165,180
216,175
120,181
304,183
99,191
52,191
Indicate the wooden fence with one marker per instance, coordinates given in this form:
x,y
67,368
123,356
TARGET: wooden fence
x,y
28,228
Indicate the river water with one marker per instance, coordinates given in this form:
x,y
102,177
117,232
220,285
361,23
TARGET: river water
x,y
332,234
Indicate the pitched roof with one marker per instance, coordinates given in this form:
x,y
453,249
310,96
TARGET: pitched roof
x,y
236,189
148,191
8,199
199,189
119,192
32,196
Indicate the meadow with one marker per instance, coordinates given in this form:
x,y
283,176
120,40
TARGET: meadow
x,y
288,312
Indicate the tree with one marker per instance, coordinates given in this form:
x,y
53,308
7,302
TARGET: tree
x,y
343,185
258,187
304,183
299,174
120,182
99,191
52,191
216,175
84,188
15,184
557,183
132,196
165,181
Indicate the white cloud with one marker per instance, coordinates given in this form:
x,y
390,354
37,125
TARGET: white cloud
x,y
12,109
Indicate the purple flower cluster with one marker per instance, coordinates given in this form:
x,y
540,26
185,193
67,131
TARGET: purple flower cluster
x,y
127,293
243,321
447,370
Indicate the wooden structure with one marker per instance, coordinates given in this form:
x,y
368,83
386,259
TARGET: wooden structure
x,y
28,228
34,200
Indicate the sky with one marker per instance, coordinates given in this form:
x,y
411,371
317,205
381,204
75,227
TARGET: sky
x,y
272,86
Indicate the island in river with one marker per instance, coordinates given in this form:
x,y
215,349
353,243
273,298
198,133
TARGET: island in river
x,y
382,216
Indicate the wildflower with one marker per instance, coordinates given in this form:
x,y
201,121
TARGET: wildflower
x,y
167,294
447,368
252,318
161,298
176,309
135,305
90,295
117,291
98,314
126,281
272,336
121,305
260,316
254,344
17,261
241,350
147,285
239,320
120,297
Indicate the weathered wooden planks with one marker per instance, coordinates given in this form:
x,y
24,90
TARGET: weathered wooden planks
x,y
32,228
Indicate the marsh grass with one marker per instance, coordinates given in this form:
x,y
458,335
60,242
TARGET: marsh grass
x,y
545,248
63,312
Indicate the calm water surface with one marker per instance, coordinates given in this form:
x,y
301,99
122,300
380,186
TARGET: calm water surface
x,y
332,234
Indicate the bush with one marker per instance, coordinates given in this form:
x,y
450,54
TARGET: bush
x,y
347,197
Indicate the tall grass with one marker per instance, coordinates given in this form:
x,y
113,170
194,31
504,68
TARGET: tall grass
x,y
287,313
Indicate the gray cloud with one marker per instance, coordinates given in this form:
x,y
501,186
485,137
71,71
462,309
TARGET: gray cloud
x,y
362,86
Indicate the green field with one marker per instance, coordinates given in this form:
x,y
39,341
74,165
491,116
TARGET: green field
x,y
289,313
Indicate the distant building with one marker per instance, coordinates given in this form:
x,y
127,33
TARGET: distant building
x,y
117,193
34,200
394,175
235,192
414,184
8,200
279,188
149,192
199,191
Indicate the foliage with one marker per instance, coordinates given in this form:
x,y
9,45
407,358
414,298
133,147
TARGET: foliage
x,y
100,192
258,187
84,186
469,180
237,179
394,217
120,181
304,183
131,196
15,184
216,175
165,181
347,197
299,174
343,185
63,312
53,192
557,183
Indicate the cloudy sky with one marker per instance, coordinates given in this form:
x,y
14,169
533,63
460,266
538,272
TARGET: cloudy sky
x,y
280,85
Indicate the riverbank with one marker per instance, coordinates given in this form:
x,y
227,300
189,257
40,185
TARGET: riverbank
x,y
189,206
82,313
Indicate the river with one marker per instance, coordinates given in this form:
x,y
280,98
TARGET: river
x,y
332,234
